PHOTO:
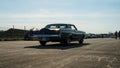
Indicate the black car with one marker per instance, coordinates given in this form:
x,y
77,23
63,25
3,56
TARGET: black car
x,y
63,33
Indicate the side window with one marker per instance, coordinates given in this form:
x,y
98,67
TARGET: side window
x,y
73,27
62,26
53,27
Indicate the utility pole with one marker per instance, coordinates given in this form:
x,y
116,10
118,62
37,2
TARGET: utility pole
x,y
13,26
24,27
12,31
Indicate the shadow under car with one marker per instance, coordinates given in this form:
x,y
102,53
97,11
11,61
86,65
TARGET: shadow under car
x,y
58,46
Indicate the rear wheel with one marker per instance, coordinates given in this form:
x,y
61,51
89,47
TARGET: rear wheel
x,y
61,42
43,43
67,41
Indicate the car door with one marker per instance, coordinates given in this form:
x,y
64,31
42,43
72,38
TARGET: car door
x,y
75,33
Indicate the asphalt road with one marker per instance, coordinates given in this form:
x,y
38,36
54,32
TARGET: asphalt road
x,y
94,53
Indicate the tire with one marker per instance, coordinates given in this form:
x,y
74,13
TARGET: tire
x,y
67,41
81,41
62,42
43,43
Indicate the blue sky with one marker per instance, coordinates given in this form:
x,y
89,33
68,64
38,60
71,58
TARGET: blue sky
x,y
92,16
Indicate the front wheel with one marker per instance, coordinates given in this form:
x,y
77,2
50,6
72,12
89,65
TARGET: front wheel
x,y
43,43
81,41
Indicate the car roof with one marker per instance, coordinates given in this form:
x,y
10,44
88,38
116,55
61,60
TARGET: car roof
x,y
60,24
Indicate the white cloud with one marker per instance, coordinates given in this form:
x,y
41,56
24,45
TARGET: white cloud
x,y
33,15
58,15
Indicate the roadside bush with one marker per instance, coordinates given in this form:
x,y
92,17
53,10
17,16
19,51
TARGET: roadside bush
x,y
1,40
6,39
12,39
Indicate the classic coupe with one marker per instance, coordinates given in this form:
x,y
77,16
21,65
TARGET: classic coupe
x,y
63,33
